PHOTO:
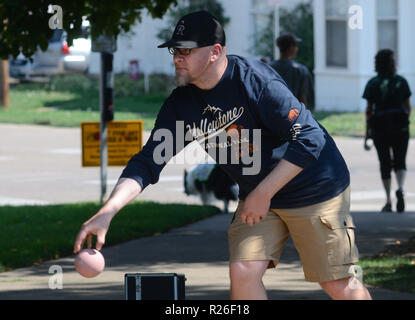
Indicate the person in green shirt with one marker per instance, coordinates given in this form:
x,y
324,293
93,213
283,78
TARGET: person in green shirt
x,y
388,111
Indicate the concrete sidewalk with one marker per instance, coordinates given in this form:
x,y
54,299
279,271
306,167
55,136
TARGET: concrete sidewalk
x,y
198,251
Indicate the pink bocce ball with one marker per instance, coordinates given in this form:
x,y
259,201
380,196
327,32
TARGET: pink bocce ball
x,y
89,263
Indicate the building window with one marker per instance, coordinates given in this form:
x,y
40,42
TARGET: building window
x,y
387,14
336,33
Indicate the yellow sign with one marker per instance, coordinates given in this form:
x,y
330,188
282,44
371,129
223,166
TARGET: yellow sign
x,y
124,139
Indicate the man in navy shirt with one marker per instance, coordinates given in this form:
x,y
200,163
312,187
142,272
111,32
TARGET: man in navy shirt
x,y
292,178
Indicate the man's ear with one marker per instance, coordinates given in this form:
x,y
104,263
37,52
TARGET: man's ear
x,y
216,52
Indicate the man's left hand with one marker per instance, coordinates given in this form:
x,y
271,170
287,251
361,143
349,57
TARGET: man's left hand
x,y
255,207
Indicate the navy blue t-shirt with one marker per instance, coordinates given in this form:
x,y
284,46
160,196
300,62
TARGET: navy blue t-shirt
x,y
253,101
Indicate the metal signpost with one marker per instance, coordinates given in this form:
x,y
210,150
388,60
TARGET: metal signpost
x,y
106,46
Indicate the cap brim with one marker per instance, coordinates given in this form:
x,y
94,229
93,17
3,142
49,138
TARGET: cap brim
x,y
179,44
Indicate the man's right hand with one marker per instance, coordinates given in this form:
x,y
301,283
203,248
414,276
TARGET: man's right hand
x,y
98,225
125,191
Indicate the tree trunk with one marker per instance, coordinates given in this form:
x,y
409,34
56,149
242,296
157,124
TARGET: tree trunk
x,y
4,83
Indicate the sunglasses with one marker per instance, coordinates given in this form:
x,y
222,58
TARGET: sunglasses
x,y
180,51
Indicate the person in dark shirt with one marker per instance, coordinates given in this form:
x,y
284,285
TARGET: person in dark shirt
x,y
296,75
292,178
388,111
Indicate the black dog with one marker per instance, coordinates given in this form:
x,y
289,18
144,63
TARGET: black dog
x,y
210,182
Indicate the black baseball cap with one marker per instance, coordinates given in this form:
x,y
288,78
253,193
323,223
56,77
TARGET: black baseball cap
x,y
287,39
195,30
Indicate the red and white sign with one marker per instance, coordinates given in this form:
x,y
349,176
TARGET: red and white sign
x,y
134,70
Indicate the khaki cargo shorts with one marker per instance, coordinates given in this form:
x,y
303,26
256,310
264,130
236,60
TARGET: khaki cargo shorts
x,y
323,235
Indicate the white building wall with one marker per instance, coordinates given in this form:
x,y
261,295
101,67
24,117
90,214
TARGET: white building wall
x,y
336,88
239,29
341,89
142,45
407,43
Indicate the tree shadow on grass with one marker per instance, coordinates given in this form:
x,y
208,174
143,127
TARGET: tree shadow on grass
x,y
86,104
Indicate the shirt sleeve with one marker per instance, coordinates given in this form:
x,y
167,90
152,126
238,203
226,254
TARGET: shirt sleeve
x,y
145,166
289,120
367,94
406,91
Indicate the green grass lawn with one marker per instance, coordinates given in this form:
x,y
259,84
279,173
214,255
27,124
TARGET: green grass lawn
x,y
346,124
72,99
394,273
30,235
64,109
75,99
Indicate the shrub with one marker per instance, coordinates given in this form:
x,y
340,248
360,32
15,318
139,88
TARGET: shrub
x,y
73,82
124,86
158,83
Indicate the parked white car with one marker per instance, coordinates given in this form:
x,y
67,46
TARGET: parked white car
x,y
57,59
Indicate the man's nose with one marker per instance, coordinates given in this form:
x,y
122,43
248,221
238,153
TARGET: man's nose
x,y
177,58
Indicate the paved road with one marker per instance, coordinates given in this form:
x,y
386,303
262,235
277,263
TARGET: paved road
x,y
42,165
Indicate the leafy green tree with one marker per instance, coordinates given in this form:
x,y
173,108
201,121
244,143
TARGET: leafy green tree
x,y
264,39
187,6
24,24
300,22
